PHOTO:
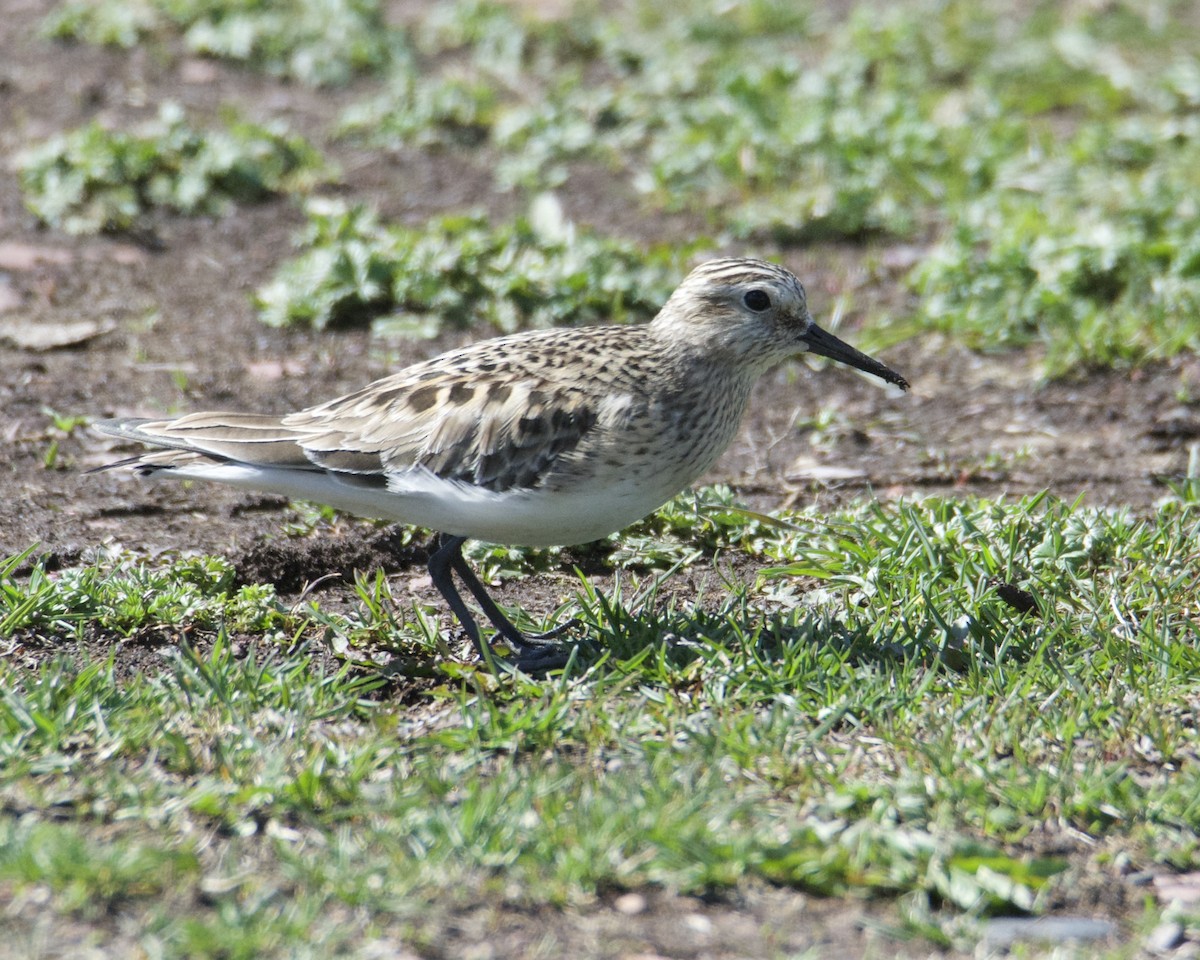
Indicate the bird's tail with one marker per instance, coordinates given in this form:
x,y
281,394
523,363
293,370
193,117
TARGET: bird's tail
x,y
199,438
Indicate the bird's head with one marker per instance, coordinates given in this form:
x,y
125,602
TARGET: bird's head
x,y
755,314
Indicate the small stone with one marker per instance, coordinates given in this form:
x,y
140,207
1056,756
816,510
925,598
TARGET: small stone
x,y
1181,888
384,950
196,70
217,886
630,904
1007,931
10,299
1165,937
698,923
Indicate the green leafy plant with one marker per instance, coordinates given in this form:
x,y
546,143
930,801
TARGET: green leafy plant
x,y
125,595
534,272
1094,258
93,179
314,41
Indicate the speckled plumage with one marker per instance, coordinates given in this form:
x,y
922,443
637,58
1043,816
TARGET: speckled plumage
x,y
547,437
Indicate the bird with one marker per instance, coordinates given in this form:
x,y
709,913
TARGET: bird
x,y
539,438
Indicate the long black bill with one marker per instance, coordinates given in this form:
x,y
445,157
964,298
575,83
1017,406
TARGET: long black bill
x,y
825,344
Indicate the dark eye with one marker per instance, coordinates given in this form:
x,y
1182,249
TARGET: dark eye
x,y
756,300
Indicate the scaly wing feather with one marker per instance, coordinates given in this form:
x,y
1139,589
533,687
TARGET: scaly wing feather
x,y
503,430
487,415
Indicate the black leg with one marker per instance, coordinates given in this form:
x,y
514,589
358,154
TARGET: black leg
x,y
440,563
532,657
503,625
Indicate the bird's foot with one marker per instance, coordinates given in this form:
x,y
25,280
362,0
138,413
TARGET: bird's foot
x,y
553,634
538,655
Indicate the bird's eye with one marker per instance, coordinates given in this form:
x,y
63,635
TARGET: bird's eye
x,y
756,300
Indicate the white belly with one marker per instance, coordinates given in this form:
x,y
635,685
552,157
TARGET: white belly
x,y
532,518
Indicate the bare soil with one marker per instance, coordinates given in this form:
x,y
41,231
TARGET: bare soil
x,y
180,334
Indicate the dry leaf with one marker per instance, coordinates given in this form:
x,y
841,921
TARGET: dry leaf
x,y
25,256
805,469
275,369
51,336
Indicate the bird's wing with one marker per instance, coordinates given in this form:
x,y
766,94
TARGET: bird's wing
x,y
500,431
494,418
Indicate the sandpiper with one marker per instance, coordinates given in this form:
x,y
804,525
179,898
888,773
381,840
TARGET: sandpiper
x,y
550,437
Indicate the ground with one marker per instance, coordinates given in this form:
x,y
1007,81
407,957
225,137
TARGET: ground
x,y
177,332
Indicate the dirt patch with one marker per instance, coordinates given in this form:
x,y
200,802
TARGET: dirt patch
x,y
761,922
291,565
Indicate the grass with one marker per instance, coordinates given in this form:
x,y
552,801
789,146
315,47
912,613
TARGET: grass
x,y
866,715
